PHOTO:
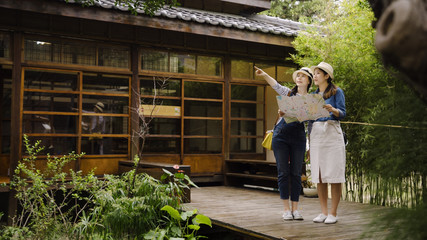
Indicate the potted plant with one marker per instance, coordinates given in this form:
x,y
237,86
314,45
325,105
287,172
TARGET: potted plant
x,y
309,188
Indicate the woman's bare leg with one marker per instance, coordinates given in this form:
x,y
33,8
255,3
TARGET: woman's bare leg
x,y
336,197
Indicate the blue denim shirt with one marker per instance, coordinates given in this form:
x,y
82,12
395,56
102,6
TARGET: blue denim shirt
x,y
337,101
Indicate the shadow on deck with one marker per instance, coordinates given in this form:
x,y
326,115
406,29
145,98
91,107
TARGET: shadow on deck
x,y
258,214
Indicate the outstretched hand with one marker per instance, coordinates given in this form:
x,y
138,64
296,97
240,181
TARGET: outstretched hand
x,y
259,71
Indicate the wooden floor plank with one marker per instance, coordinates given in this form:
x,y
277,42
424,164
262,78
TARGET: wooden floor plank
x,y
260,211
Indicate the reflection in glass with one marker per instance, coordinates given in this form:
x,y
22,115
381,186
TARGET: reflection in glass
x,y
82,54
202,145
52,102
4,45
243,128
245,145
245,92
112,104
182,63
49,124
50,80
242,69
155,61
167,87
111,125
243,110
162,145
54,145
104,145
268,68
167,126
42,51
105,83
283,74
202,108
202,90
210,66
202,127
114,57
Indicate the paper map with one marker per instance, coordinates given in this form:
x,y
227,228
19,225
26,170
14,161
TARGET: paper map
x,y
302,108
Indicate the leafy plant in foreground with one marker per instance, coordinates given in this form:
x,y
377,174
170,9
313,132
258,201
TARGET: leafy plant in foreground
x,y
50,200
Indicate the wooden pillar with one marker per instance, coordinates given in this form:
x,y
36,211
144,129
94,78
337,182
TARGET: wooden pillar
x,y
134,102
16,118
227,100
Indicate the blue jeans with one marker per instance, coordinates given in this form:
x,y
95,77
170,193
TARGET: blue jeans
x,y
289,150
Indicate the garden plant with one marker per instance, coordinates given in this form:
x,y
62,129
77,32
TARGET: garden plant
x,y
59,204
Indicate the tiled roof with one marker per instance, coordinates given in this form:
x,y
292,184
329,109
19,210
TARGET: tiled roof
x,y
255,23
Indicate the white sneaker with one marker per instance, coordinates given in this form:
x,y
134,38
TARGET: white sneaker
x,y
287,216
320,218
297,215
331,219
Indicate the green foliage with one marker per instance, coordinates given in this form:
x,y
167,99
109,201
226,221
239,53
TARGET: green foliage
x,y
296,10
148,6
133,212
49,198
182,225
60,205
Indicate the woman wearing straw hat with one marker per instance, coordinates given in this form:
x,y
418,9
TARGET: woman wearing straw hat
x,y
327,148
289,143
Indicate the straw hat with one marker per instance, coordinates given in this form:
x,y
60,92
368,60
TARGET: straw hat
x,y
305,70
100,106
325,67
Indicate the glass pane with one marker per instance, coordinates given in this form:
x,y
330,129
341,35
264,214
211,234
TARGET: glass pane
x,y
104,145
106,104
168,126
49,124
283,74
52,102
182,63
202,90
155,61
245,92
55,145
268,68
161,87
202,109
202,127
243,128
202,145
105,83
114,57
247,110
79,54
4,45
162,145
242,69
210,66
246,145
50,80
42,51
105,125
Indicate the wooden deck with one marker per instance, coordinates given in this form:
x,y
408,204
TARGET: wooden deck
x,y
257,213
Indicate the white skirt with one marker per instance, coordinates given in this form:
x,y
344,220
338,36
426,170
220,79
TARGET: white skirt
x,y
327,152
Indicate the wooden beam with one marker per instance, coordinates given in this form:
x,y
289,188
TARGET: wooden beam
x,y
265,4
117,16
16,119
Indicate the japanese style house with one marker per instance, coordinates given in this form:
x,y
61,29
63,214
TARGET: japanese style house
x,y
60,61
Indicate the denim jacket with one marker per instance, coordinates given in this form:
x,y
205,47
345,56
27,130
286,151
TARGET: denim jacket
x,y
337,101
